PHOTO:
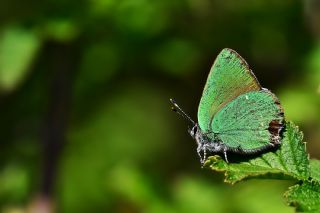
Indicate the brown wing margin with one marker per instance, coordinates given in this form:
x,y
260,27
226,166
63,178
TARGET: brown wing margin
x,y
277,127
244,63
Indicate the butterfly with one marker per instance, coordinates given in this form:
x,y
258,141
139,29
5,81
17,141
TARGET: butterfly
x,y
235,113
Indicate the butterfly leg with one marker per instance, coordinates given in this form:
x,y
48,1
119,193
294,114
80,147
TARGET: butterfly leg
x,y
225,155
199,152
204,154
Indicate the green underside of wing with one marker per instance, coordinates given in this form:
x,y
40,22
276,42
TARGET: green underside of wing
x,y
245,121
229,77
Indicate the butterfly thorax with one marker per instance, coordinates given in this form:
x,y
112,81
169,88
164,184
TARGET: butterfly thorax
x,y
206,144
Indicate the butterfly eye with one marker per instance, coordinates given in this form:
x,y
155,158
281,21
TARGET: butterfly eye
x,y
194,130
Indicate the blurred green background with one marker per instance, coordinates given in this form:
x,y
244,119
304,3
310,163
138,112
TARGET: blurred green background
x,y
85,116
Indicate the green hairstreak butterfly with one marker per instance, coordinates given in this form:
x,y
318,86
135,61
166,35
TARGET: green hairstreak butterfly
x,y
235,113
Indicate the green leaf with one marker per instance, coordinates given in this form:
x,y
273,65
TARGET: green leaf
x,y
18,47
315,169
289,162
305,197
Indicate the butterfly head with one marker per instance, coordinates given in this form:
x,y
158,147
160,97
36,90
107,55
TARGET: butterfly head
x,y
193,131
196,134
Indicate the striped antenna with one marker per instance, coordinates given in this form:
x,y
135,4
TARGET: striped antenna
x,y
178,110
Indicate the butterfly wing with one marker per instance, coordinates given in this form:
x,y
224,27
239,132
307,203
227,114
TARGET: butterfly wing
x,y
251,121
229,77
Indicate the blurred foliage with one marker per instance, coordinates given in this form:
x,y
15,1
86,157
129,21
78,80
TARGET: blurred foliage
x,y
95,76
18,46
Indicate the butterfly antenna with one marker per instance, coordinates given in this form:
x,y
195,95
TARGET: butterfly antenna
x,y
178,110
